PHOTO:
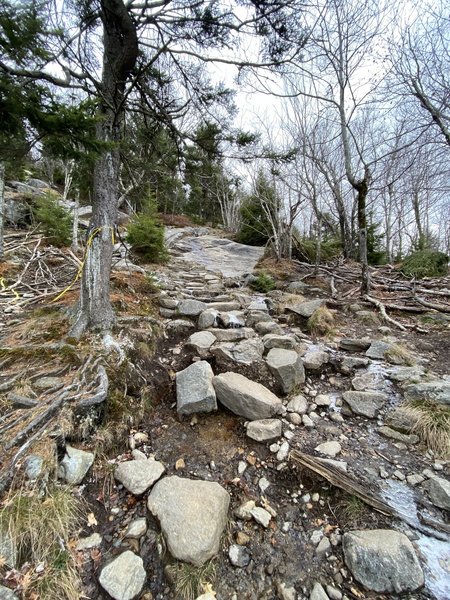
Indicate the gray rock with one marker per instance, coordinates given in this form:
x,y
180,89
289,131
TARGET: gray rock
x,y
245,397
191,308
272,340
322,400
232,320
318,593
208,318
401,420
92,541
314,360
415,479
367,381
200,342
366,404
137,476
124,577
354,345
287,368
233,335
382,560
75,464
261,516
167,302
406,375
306,309
308,422
244,511
283,452
137,528
257,316
192,514
323,546
399,437
333,593
46,383
245,352
8,549
285,592
195,391
353,362
298,404
437,391
7,594
179,326
239,556
264,430
38,183
329,448
268,327
224,306
259,304
439,491
378,349
34,466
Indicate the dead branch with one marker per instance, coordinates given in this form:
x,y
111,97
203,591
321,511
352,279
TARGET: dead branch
x,y
382,310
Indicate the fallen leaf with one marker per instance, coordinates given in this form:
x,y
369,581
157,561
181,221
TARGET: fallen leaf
x,y
92,521
251,460
96,555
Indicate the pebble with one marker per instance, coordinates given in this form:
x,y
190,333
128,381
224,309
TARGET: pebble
x,y
274,448
242,466
261,516
263,484
283,452
307,422
399,475
238,555
323,547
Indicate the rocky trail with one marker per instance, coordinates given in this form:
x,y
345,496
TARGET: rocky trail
x,y
276,464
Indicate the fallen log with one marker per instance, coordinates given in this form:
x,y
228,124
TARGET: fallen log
x,y
339,479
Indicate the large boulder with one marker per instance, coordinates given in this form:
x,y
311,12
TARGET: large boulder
x,y
245,352
439,491
383,560
124,577
306,309
195,392
192,514
436,391
245,397
287,368
366,404
137,476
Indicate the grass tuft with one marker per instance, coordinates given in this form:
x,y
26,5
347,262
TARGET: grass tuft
x,y
431,424
321,322
399,355
40,527
352,510
189,581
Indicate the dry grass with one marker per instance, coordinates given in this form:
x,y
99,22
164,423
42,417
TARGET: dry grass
x,y
321,322
431,424
399,355
289,300
189,582
282,269
41,528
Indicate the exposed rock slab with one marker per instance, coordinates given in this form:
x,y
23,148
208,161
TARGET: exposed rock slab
x,y
287,368
191,308
192,514
137,476
439,492
195,392
436,391
306,309
124,577
245,397
264,430
383,560
366,404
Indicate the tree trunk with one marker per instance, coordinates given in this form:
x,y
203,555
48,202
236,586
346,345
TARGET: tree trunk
x,y
416,208
362,188
2,207
119,58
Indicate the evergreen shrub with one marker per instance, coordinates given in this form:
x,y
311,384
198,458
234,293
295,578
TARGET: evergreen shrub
x,y
54,220
145,234
425,263
263,283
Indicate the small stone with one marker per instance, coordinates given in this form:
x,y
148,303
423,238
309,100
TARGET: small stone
x,y
180,464
93,541
439,491
315,497
333,593
323,547
399,475
138,455
383,473
46,383
322,400
274,448
137,476
316,535
329,448
34,465
137,528
295,418
415,479
124,577
286,593
238,555
7,594
308,422
261,516
337,417
263,484
283,452
242,466
242,538
264,430
298,404
287,368
318,593
244,511
201,341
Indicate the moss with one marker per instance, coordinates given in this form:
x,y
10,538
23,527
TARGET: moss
x,y
425,263
321,322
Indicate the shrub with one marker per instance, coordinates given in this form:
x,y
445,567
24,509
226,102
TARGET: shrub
x,y
306,250
321,322
263,283
146,236
53,219
425,263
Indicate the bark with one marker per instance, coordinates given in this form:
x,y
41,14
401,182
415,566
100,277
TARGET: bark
x,y
362,188
2,206
119,59
416,208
